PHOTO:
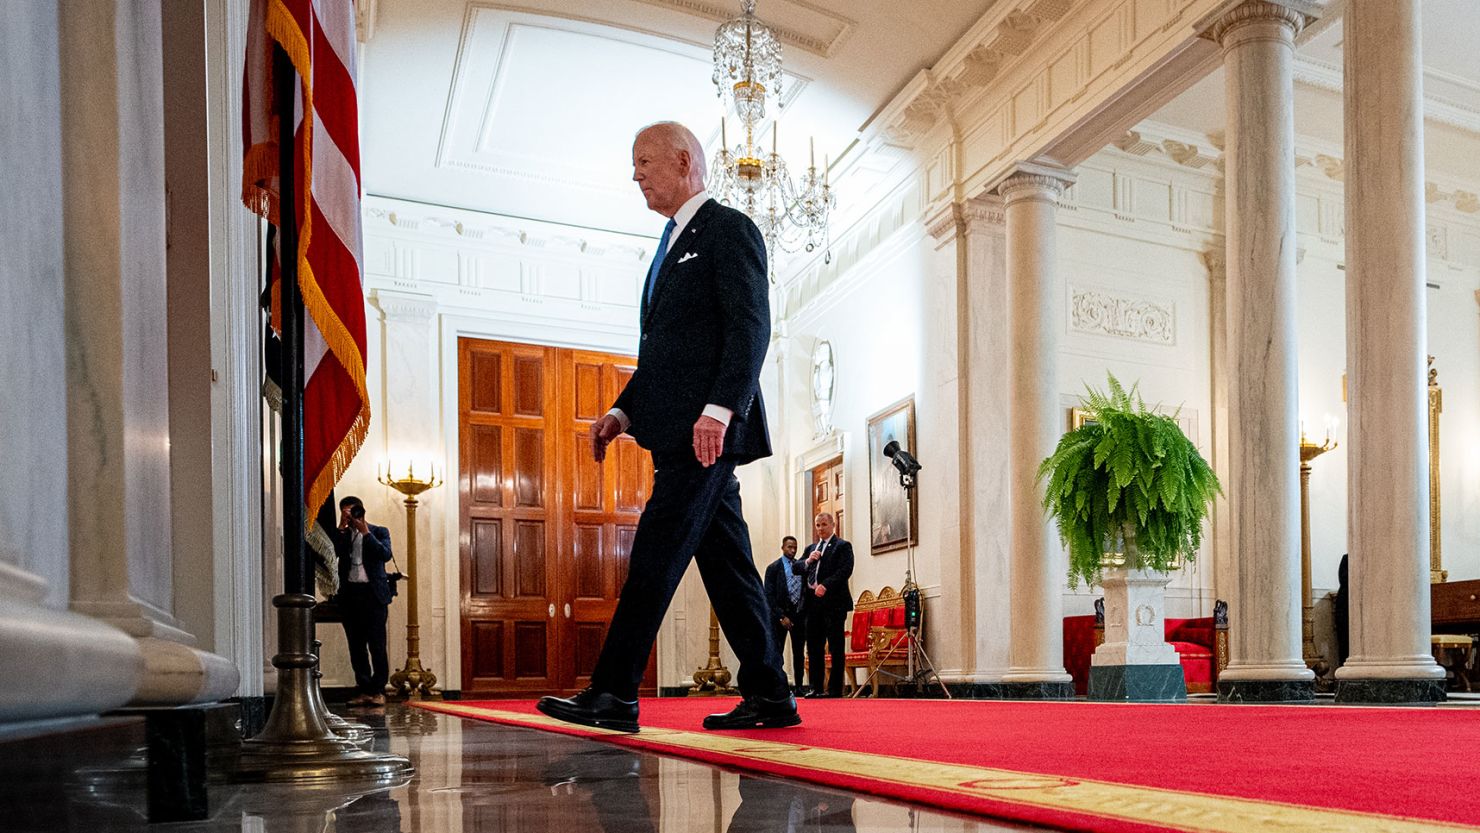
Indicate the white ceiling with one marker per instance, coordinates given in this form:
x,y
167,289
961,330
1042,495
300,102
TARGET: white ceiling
x,y
528,107
1451,57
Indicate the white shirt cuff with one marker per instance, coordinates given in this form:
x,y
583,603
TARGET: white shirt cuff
x,y
720,413
621,418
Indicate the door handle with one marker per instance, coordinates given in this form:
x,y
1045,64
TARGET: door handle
x,y
567,610
552,610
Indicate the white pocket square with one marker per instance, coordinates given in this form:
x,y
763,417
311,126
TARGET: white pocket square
x,y
688,256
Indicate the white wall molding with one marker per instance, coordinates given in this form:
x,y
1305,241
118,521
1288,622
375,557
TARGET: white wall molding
x,y
1325,76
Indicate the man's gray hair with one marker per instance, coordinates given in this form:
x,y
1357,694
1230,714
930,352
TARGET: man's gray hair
x,y
679,138
828,515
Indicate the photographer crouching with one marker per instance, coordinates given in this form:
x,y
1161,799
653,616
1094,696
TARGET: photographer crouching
x,y
364,598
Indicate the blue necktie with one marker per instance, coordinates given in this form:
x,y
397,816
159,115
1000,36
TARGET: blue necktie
x,y
657,266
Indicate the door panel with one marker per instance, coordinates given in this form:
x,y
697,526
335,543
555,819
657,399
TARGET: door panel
x,y
546,531
508,635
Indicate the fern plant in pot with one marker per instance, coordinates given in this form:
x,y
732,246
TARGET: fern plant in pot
x,y
1129,492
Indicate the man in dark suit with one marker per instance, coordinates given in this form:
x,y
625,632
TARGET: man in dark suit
x,y
829,565
364,598
694,402
786,582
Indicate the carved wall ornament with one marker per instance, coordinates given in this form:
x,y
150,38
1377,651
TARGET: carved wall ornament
x,y
1098,313
824,378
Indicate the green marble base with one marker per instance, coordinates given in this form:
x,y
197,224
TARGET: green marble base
x,y
1137,683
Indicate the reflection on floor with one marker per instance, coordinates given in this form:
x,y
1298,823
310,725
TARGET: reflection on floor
x,y
474,777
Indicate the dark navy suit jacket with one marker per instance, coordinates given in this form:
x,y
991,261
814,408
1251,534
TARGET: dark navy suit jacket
x,y
374,553
777,593
704,339
832,571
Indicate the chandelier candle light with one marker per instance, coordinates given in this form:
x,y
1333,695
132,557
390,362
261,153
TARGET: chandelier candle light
x,y
791,215
411,479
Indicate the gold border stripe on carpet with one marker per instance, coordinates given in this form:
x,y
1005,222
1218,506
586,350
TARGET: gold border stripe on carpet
x,y
1155,806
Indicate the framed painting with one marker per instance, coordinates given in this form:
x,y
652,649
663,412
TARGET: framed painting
x,y
893,517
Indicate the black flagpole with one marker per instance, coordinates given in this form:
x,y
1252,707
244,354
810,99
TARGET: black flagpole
x,y
291,352
298,743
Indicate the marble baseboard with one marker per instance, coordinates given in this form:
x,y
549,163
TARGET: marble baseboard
x,y
185,745
1137,683
1266,691
252,713
74,774
1011,691
1391,692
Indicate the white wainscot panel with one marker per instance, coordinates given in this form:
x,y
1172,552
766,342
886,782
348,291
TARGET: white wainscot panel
x,y
1153,199
435,264
561,280
1095,188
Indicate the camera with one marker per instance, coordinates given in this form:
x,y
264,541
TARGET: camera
x,y
357,512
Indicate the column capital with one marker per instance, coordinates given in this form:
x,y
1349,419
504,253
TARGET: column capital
x,y
1257,12
1034,181
395,306
958,218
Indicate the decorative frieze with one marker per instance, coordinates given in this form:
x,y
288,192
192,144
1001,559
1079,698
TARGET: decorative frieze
x,y
1094,312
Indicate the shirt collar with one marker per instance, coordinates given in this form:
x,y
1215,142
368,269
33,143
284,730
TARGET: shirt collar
x,y
684,214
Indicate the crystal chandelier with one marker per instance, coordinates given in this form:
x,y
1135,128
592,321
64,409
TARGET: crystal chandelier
x,y
791,214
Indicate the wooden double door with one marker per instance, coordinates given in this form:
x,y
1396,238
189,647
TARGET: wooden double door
x,y
546,532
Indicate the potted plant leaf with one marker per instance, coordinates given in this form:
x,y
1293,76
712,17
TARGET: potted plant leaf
x,y
1129,492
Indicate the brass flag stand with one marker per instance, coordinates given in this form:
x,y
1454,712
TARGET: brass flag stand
x,y
298,744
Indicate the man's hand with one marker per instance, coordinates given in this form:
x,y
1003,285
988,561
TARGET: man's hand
x,y
786,622
813,556
820,590
344,518
709,440
360,525
603,431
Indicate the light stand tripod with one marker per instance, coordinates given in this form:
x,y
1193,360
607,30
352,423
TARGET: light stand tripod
x,y
918,667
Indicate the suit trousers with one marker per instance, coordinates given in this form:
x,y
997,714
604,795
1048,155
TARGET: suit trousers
x,y
798,634
694,513
364,630
825,627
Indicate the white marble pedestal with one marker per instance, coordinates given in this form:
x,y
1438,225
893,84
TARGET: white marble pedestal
x,y
1135,663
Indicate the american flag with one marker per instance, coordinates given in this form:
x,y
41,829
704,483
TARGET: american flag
x,y
319,38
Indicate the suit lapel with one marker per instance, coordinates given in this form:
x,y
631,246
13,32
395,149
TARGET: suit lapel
x,y
676,251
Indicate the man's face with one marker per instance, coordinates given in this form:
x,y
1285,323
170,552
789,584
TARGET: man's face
x,y
661,172
789,547
823,526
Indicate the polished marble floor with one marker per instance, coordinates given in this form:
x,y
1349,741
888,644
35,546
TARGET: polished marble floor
x,y
474,777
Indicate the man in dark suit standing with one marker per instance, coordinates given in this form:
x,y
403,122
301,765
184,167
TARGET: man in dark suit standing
x,y
364,598
694,402
829,565
786,582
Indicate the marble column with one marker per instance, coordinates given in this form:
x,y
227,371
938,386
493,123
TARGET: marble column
x,y
117,321
53,663
1385,347
970,243
1035,314
1224,564
1258,41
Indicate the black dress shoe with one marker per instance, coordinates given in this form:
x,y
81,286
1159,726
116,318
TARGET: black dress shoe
x,y
757,713
817,695
592,708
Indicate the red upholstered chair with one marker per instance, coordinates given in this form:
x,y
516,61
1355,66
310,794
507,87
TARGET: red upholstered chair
x,y
857,654
1201,645
876,638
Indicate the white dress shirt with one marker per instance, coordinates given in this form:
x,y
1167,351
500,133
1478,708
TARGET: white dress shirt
x,y
681,220
357,573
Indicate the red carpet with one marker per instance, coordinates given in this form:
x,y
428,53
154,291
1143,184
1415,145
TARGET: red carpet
x,y
1097,766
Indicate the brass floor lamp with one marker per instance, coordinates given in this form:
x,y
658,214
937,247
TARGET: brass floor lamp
x,y
413,682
